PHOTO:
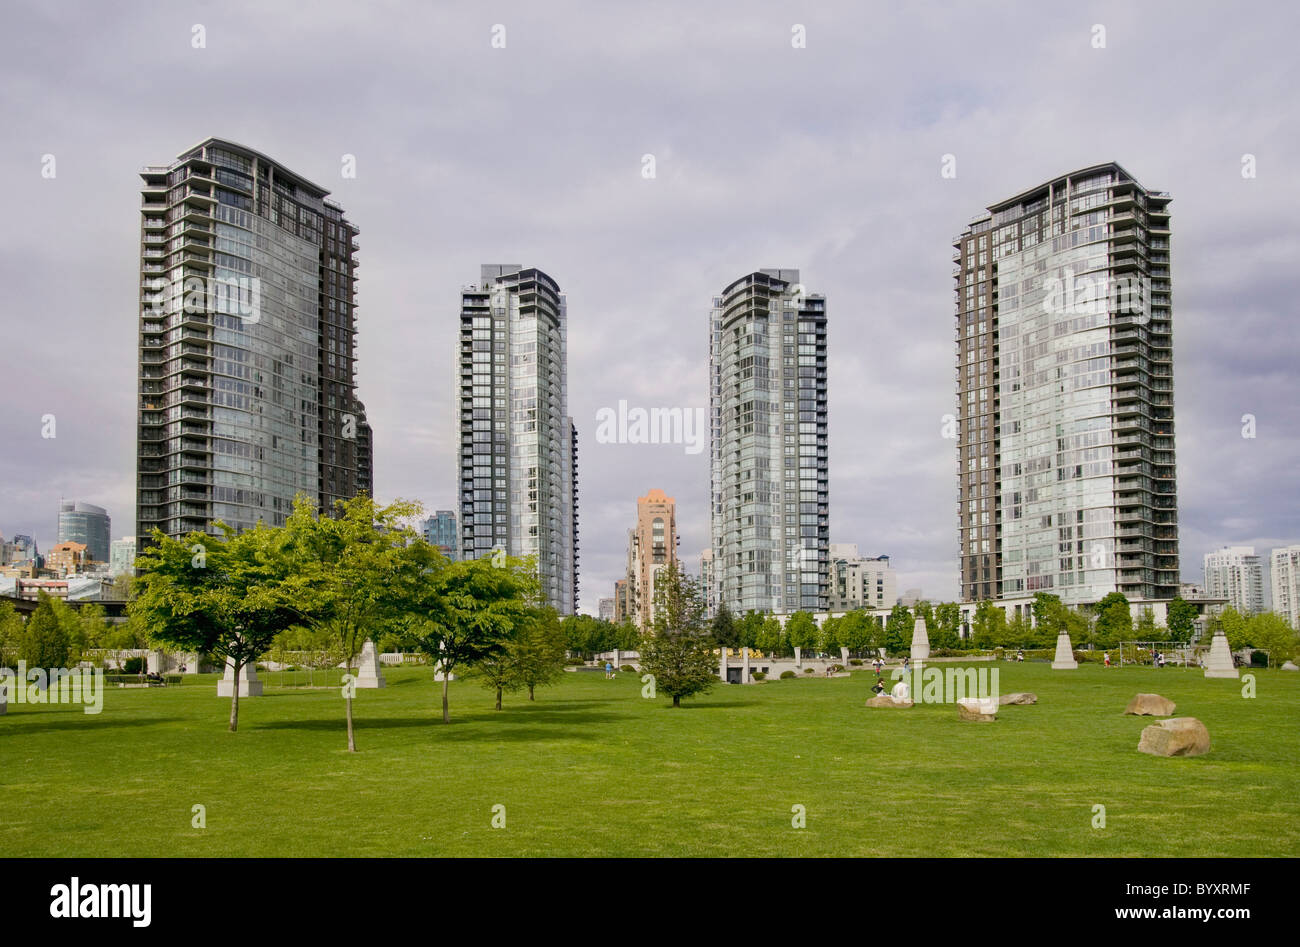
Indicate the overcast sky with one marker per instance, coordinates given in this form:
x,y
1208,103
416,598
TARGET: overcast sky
x,y
825,158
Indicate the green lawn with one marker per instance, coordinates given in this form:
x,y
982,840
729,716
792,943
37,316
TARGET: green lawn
x,y
592,768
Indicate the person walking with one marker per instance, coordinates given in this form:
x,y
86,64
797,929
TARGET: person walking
x,y
609,671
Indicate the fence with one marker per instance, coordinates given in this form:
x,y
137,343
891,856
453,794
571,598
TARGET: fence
x,y
1139,653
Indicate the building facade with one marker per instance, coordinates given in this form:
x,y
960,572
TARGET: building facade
x,y
605,609
1235,573
518,448
441,530
860,582
1284,566
247,345
652,547
87,524
770,498
1065,417
121,556
68,558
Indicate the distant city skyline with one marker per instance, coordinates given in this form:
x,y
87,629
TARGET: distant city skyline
x,y
848,186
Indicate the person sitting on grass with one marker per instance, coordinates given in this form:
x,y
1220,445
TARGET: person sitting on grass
x,y
879,688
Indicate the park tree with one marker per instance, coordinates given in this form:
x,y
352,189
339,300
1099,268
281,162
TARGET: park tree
x,y
947,625
11,633
988,629
1147,628
1234,626
224,594
44,642
853,631
801,631
499,670
348,563
1114,621
898,630
1017,632
1270,632
1181,619
726,633
538,648
678,651
461,613
749,629
828,641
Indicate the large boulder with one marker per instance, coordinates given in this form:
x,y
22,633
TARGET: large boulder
x,y
1018,699
977,708
884,700
1290,666
1177,736
1150,705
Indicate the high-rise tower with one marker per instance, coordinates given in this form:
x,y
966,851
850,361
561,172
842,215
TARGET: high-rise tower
x,y
518,445
247,345
1065,393
770,493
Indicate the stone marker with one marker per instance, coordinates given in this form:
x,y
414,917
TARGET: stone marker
x,y
1064,653
900,691
744,667
1150,705
1177,736
920,641
1018,699
884,700
369,674
1220,663
249,685
977,708
1290,666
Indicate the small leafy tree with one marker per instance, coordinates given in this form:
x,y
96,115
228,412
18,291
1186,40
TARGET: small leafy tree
x,y
538,650
1114,620
1271,632
989,626
45,639
678,651
771,636
221,594
898,630
947,622
11,633
726,633
801,631
853,632
829,640
1181,619
461,613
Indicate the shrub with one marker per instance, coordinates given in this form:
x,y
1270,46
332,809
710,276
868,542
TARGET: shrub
x,y
628,668
133,665
807,670
835,668
856,662
787,675
759,676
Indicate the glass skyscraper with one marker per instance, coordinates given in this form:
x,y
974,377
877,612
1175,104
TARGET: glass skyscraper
x,y
518,447
1065,393
770,500
247,344
88,524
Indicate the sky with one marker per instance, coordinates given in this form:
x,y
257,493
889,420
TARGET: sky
x,y
824,156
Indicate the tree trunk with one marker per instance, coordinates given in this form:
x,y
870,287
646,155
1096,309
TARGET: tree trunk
x,y
234,701
677,701
352,740
498,697
446,718
530,691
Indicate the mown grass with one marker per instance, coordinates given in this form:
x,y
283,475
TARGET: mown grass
x,y
592,768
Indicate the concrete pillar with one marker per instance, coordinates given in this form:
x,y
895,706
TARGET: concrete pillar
x,y
722,664
744,667
1064,653
920,641
1219,663
844,657
249,685
798,657
617,659
369,674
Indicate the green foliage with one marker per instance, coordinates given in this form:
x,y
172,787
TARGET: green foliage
x,y
771,638
788,675
988,629
11,633
801,630
749,629
44,642
226,594
946,626
461,613
538,649
1114,621
1270,632
854,631
725,629
898,630
678,651
1233,624
1181,619
829,640
587,635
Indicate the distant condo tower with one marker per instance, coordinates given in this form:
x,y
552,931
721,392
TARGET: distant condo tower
x,y
247,345
769,476
517,475
1065,393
